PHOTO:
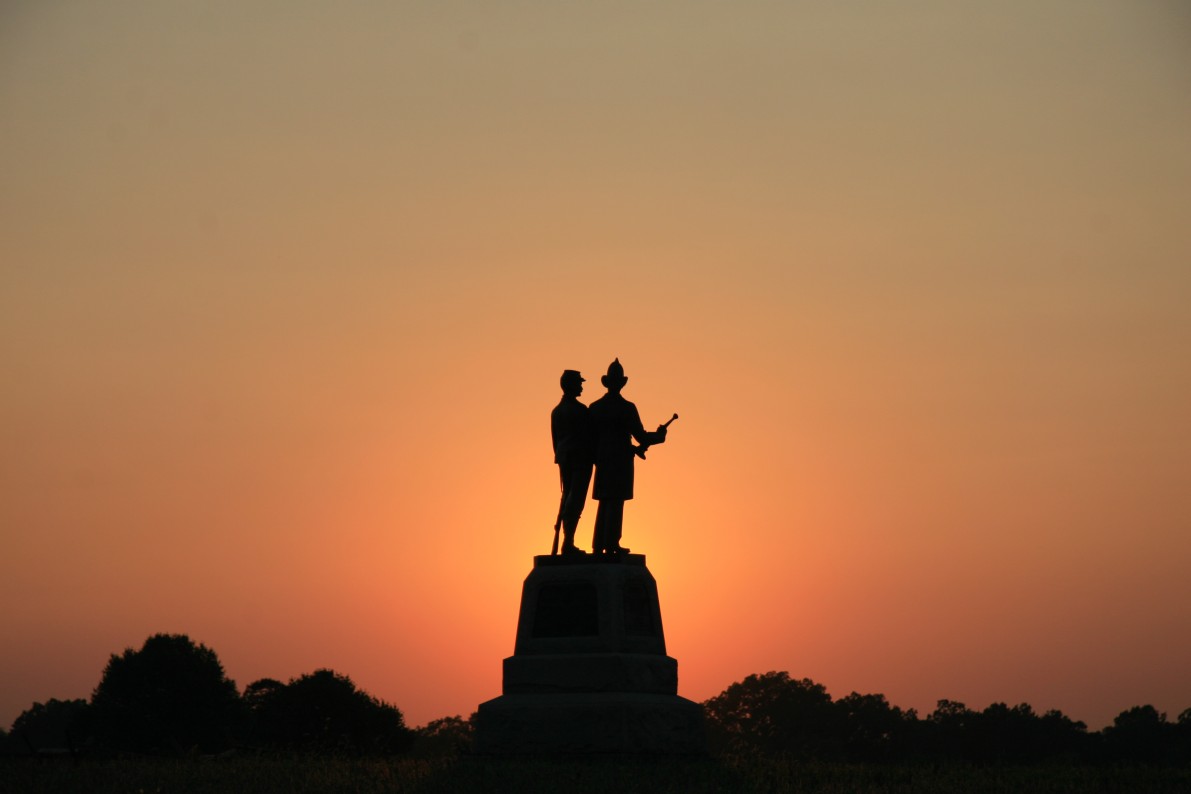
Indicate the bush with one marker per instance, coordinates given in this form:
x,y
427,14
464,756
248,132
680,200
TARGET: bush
x,y
446,737
772,714
169,697
323,712
54,725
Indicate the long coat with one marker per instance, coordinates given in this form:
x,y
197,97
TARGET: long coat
x,y
614,423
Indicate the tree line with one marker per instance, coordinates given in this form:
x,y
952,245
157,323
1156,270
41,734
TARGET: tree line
x,y
172,697
774,714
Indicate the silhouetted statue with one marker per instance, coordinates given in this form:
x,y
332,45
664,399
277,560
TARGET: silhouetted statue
x,y
571,433
614,424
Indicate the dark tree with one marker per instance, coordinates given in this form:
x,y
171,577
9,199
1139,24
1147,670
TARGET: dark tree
x,y
324,712
445,737
53,725
258,692
171,696
1182,731
1064,738
1141,734
1001,733
872,728
949,730
773,714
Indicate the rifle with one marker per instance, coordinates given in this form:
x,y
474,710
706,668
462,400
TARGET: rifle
x,y
640,451
562,500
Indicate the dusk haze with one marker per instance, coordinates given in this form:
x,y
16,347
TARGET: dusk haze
x,y
287,288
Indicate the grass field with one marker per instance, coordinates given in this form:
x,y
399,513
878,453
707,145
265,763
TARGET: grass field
x,y
307,775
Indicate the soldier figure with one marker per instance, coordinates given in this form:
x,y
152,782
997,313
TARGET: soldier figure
x,y
573,453
614,424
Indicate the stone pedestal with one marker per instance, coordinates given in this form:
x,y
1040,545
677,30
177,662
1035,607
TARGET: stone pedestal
x,y
589,672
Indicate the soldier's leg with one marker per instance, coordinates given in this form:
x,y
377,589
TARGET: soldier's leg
x,y
570,523
598,542
614,523
574,499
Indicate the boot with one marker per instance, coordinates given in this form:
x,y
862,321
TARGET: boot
x,y
568,539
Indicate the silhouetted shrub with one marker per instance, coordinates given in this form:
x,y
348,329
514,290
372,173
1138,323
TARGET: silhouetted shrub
x,y
1182,737
53,725
1142,734
948,730
323,712
1002,733
444,738
773,714
872,729
1063,738
171,696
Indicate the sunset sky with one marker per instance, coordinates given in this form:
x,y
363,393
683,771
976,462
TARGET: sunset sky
x,y
286,289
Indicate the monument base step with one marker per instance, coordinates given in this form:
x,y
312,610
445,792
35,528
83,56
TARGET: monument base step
x,y
589,723
590,672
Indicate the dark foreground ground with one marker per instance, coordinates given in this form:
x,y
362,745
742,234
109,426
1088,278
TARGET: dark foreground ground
x,y
307,775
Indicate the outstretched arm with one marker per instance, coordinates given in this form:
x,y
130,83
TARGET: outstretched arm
x,y
649,439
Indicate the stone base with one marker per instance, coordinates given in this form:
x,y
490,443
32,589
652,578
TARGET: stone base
x,y
590,672
590,605
583,723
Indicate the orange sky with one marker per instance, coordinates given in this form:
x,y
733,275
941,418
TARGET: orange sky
x,y
286,288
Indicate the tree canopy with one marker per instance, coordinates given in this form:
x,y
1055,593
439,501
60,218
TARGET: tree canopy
x,y
323,711
170,696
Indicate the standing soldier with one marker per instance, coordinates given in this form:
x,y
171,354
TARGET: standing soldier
x,y
573,454
614,424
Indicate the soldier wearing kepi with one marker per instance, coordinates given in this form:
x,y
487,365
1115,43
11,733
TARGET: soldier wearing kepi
x,y
571,433
614,424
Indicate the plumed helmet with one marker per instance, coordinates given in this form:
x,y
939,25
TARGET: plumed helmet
x,y
615,374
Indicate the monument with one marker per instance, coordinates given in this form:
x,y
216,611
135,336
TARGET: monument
x,y
589,672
